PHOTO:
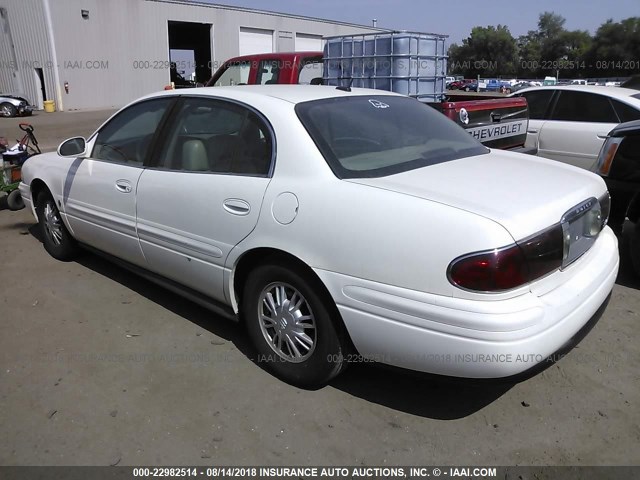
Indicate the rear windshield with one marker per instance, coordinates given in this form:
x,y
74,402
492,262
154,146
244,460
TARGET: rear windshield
x,y
375,136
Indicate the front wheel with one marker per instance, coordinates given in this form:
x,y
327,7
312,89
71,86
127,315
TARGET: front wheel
x,y
290,322
8,110
56,238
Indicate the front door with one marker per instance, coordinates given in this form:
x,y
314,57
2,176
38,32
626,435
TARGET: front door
x,y
99,193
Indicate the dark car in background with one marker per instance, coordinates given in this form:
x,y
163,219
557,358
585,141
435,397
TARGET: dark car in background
x,y
619,165
520,85
471,86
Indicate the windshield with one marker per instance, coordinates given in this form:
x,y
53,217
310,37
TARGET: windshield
x,y
375,136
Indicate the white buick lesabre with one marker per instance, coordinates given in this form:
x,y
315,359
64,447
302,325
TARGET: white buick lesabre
x,y
337,225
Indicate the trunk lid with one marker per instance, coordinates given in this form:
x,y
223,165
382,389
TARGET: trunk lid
x,y
524,194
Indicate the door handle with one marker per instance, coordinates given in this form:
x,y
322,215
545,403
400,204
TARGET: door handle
x,y
532,130
236,206
123,186
602,136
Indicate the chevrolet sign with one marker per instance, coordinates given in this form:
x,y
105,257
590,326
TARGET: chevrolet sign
x,y
496,131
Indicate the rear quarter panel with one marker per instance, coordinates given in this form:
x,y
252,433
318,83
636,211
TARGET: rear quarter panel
x,y
359,230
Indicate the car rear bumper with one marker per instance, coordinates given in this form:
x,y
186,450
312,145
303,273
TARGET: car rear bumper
x,y
469,338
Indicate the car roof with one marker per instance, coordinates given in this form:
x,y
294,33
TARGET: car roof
x,y
289,93
276,56
613,92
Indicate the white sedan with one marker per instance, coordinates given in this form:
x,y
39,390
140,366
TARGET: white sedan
x,y
570,123
338,225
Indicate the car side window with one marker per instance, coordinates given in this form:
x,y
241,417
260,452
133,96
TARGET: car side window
x,y
235,74
626,113
538,101
268,72
583,107
217,137
127,137
311,72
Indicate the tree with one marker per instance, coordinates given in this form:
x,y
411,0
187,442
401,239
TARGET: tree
x,y
552,38
551,49
488,52
615,50
529,54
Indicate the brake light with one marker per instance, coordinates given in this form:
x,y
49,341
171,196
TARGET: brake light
x,y
510,267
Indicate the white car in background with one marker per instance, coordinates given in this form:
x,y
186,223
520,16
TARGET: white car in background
x,y
570,123
338,225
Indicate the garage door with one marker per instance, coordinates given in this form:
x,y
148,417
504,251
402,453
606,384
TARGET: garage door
x,y
255,40
306,43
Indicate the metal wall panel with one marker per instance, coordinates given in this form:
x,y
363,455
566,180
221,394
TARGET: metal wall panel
x,y
25,26
120,51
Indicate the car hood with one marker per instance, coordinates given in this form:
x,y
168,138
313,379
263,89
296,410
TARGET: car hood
x,y
523,193
13,97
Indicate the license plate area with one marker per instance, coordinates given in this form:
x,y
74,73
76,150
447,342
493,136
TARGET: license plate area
x,y
580,226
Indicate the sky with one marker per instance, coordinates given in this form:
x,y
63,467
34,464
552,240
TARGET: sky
x,y
454,18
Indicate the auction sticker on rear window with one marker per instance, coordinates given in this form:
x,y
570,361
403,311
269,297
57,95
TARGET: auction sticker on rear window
x,y
378,103
494,132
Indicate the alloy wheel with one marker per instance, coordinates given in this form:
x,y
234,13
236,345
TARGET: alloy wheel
x,y
287,322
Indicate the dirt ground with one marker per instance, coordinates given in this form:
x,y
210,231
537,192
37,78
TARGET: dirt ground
x,y
100,367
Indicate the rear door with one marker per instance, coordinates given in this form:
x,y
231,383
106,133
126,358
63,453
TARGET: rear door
x,y
205,191
99,192
577,128
539,102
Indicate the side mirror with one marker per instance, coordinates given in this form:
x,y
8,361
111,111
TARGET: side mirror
x,y
73,147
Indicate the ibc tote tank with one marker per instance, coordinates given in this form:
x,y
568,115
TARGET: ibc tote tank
x,y
408,63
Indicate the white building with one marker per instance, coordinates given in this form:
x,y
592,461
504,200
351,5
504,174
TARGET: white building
x,y
104,53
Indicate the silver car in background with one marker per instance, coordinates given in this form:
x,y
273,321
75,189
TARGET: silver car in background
x,y
14,106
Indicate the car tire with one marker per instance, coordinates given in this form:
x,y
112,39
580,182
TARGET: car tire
x,y
302,345
7,110
14,200
56,238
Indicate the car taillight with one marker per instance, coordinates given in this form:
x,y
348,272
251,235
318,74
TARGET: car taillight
x,y
607,153
510,267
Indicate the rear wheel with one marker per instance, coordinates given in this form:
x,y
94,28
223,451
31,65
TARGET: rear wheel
x,y
8,110
14,201
56,238
292,327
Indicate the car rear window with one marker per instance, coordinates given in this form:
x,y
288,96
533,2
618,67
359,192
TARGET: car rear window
x,y
375,136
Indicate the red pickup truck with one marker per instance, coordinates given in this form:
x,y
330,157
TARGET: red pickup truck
x,y
497,123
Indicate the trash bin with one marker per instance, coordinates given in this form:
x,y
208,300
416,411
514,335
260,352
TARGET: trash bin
x,y
49,106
